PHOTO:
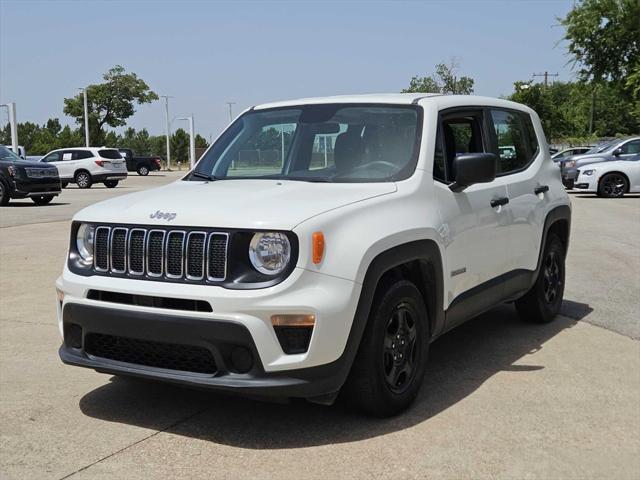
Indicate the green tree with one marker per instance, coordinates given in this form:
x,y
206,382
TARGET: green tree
x,y
444,81
604,39
180,146
201,142
110,103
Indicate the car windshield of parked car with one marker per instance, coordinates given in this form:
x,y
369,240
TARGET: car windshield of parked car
x,y
8,155
602,147
317,143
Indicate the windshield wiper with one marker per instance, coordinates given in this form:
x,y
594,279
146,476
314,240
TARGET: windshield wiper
x,y
204,176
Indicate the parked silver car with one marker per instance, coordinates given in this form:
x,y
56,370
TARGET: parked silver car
x,y
619,149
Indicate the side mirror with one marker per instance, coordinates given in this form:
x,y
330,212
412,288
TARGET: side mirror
x,y
472,168
617,152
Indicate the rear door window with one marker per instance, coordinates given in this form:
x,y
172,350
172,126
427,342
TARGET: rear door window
x,y
513,141
82,154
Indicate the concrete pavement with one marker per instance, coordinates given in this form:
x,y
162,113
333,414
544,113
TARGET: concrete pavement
x,y
502,399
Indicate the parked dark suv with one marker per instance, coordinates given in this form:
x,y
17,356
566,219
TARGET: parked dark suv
x,y
21,178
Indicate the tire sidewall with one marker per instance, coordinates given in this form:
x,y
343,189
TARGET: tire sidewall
x,y
5,194
143,170
549,311
372,345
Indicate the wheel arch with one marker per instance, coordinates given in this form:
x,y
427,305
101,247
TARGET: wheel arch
x,y
558,222
81,170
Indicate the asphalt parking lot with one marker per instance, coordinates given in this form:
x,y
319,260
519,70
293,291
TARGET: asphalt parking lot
x,y
502,399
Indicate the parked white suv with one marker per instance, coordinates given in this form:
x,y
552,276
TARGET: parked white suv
x,y
85,166
321,245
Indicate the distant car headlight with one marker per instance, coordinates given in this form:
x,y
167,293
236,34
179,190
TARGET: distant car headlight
x,y
588,172
570,164
84,242
270,252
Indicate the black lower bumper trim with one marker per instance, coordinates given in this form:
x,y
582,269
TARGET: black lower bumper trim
x,y
219,337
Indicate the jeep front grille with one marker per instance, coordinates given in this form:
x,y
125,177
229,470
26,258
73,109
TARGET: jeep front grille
x,y
161,253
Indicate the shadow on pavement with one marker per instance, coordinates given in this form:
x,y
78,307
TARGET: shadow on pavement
x,y
14,203
460,362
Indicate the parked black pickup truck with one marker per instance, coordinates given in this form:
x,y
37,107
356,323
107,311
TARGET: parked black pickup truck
x,y
142,165
20,178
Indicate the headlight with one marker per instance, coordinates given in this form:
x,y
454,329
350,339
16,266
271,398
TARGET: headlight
x,y
270,252
84,242
588,172
570,164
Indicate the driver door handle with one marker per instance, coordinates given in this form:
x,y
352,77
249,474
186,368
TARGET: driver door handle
x,y
497,202
541,189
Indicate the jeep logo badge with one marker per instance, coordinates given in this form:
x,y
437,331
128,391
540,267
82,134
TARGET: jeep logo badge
x,y
163,215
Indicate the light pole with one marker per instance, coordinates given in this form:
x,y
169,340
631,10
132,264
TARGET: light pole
x,y
230,110
168,126
11,108
192,141
86,116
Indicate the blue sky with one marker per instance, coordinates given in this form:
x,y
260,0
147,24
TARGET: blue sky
x,y
207,53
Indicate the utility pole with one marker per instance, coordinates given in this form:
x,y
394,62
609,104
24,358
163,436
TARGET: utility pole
x,y
592,109
230,110
192,141
86,117
11,108
546,76
166,110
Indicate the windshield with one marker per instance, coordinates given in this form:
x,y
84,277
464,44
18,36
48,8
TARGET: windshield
x,y
8,155
317,143
602,147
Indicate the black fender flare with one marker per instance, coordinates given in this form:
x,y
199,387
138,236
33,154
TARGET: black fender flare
x,y
560,213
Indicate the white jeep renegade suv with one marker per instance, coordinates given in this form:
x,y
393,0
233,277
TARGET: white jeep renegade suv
x,y
320,246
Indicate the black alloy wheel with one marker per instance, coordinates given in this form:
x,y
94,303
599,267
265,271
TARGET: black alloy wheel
x,y
612,185
400,349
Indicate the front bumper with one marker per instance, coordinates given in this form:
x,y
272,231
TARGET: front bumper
x,y
32,188
569,177
239,318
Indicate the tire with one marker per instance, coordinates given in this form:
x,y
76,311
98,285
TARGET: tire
x,y
5,195
613,185
64,184
83,179
143,170
542,303
42,199
111,183
387,372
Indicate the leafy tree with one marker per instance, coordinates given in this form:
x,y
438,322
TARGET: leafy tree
x,y
444,81
180,146
201,142
604,39
53,126
110,103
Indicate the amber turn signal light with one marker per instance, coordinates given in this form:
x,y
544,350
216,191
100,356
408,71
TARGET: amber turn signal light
x,y
318,247
293,320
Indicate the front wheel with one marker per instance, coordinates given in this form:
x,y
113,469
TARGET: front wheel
x,y
83,180
542,303
143,170
42,199
613,185
111,183
388,370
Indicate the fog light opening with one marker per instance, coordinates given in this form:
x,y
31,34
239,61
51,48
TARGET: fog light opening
x,y
241,359
73,335
293,331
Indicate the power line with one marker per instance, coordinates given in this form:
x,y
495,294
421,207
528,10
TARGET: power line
x,y
546,76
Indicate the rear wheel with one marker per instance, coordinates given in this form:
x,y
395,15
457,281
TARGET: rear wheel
x,y
613,185
542,303
83,179
4,193
42,199
111,183
143,170
388,370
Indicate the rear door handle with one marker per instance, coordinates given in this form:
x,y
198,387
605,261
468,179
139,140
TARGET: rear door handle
x,y
541,189
497,202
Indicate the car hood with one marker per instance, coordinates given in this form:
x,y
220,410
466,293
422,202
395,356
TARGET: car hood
x,y
253,204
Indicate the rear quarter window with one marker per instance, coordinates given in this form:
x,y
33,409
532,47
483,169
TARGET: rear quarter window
x,y
110,154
